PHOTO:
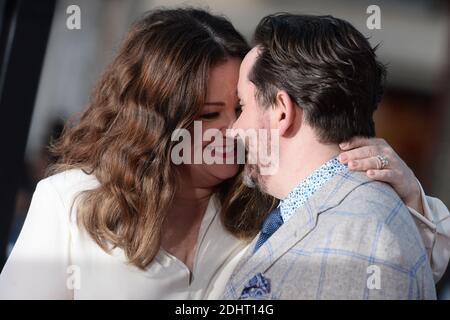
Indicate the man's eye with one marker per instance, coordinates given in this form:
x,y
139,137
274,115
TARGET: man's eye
x,y
238,109
210,115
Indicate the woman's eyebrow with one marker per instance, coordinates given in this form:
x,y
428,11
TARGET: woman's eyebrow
x,y
215,103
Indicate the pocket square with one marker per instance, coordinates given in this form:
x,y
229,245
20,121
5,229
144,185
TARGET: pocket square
x,y
256,287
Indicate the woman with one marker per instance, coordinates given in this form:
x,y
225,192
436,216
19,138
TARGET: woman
x,y
117,219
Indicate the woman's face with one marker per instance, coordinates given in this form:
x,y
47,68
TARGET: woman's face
x,y
218,113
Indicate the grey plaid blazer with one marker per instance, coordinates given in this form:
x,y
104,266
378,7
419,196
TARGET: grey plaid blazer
x,y
353,239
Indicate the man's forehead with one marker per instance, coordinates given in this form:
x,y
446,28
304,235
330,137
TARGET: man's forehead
x,y
246,65
249,60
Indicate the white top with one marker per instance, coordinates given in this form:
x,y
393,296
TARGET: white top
x,y
434,227
54,259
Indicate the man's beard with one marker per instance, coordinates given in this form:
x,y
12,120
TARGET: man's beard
x,y
253,178
250,175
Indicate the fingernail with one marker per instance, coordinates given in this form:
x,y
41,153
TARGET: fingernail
x,y
353,163
342,157
343,145
371,173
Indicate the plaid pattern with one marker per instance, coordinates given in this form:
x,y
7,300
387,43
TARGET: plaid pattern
x,y
330,247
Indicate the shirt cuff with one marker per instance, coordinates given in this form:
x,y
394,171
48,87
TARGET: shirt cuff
x,y
434,227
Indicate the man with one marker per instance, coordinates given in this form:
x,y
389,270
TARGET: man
x,y
336,234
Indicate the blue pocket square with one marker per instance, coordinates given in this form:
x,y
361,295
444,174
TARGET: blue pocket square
x,y
256,287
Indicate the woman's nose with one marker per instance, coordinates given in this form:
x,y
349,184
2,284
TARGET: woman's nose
x,y
229,119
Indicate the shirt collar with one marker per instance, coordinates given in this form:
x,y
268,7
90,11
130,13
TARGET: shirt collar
x,y
308,186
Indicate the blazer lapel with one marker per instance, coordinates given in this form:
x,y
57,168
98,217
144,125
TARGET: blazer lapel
x,y
294,230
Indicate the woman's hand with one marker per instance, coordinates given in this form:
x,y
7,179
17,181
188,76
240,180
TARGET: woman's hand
x,y
360,154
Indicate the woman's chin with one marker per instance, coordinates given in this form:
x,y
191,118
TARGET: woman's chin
x,y
224,171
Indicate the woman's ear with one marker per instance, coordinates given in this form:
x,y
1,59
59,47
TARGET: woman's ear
x,y
286,112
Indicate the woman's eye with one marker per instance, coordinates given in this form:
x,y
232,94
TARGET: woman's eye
x,y
210,115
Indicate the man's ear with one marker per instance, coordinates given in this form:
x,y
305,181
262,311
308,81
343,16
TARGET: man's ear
x,y
286,112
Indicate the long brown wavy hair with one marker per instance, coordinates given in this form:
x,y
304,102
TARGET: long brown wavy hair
x,y
156,84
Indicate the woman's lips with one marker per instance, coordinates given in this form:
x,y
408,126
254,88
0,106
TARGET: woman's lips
x,y
226,150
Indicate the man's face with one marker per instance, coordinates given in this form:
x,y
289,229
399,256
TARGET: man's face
x,y
252,118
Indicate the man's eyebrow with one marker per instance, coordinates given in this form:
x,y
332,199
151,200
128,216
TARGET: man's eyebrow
x,y
214,103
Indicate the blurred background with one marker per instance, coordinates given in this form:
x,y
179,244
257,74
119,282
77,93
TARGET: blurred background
x,y
48,71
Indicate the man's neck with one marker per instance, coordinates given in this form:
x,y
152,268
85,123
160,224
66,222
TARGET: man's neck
x,y
298,159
